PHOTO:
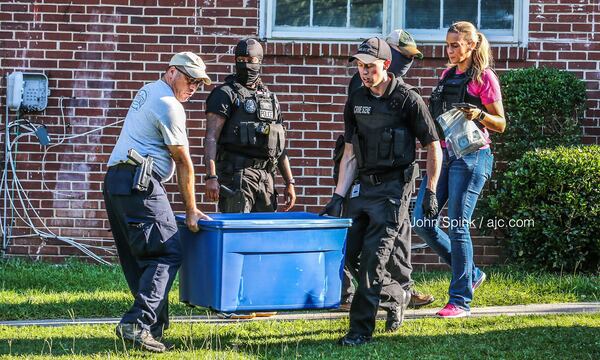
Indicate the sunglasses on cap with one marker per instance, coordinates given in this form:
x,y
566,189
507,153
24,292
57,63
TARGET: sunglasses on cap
x,y
188,78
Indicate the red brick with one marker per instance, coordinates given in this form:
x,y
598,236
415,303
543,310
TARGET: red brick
x,y
311,87
572,55
556,27
582,65
558,8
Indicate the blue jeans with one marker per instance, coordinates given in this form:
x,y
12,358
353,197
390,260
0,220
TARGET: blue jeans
x,y
459,185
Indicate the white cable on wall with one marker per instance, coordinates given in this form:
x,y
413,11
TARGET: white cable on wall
x,y
26,203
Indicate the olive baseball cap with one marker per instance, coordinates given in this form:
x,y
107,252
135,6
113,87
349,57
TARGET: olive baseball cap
x,y
403,41
191,64
371,50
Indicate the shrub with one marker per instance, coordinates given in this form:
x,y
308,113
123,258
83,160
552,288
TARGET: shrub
x,y
559,189
543,108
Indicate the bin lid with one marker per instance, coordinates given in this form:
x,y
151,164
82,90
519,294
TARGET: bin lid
x,y
283,220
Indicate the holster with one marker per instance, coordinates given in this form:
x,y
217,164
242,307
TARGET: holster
x,y
142,175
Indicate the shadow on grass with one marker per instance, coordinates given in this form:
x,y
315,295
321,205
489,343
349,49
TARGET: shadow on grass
x,y
543,342
100,308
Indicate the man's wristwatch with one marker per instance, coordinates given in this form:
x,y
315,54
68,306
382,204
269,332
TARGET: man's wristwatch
x,y
290,181
210,177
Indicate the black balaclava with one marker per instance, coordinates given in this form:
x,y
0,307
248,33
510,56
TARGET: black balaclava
x,y
400,63
247,73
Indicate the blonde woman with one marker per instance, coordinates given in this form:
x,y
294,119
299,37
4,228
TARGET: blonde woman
x,y
468,79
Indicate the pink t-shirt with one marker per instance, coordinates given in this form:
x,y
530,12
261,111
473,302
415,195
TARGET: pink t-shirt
x,y
488,91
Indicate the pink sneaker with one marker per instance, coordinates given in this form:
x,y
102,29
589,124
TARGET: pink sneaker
x,y
452,311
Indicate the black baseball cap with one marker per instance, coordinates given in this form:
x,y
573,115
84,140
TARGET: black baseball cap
x,y
372,49
249,47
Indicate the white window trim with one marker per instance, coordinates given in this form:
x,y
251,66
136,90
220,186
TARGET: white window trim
x,y
392,19
267,29
519,36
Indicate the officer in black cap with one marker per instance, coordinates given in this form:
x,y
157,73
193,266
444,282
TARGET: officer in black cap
x,y
382,121
245,140
404,51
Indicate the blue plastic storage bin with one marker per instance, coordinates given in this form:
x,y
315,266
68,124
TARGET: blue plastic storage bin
x,y
263,261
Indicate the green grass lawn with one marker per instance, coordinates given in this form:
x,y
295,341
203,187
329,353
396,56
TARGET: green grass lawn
x,y
38,290
43,291
531,337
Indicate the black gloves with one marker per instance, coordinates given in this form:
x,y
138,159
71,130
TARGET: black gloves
x,y
430,205
334,206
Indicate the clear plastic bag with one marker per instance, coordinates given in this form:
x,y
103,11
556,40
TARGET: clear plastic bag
x,y
462,135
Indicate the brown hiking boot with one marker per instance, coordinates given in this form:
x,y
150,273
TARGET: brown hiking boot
x,y
418,300
345,306
140,337
157,334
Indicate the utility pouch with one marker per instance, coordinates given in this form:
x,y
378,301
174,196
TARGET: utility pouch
x,y
404,147
385,144
251,133
244,133
276,140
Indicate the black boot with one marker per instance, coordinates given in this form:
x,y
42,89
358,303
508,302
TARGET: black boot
x,y
395,316
351,339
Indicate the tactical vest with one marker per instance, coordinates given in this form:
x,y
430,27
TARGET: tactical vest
x,y
254,129
452,89
383,140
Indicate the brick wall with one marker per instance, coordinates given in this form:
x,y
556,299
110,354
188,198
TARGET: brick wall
x,y
98,53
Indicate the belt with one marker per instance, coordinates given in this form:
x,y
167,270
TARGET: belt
x,y
132,168
242,162
123,166
376,179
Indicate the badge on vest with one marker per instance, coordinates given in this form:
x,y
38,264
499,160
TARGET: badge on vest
x,y
250,106
363,110
266,109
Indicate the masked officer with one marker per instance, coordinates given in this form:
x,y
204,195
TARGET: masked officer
x,y
140,216
245,143
404,51
245,140
381,121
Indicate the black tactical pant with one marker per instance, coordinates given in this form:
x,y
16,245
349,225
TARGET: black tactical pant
x,y
252,190
147,240
379,221
399,265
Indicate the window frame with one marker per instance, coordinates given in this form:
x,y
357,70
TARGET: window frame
x,y
519,31
270,31
393,18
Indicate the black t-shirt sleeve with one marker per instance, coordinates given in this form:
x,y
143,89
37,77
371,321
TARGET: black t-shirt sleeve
x,y
349,121
355,83
220,102
420,120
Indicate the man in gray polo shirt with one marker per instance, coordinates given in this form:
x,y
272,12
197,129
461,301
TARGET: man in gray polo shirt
x,y
141,219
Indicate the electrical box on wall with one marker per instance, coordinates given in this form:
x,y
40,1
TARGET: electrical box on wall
x,y
27,92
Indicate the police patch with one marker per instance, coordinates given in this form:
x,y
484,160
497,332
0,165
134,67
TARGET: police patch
x,y
250,106
139,100
362,110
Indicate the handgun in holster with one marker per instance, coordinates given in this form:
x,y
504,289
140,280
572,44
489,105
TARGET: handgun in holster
x,y
143,170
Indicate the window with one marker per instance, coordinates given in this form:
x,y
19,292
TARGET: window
x,y
324,19
428,20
